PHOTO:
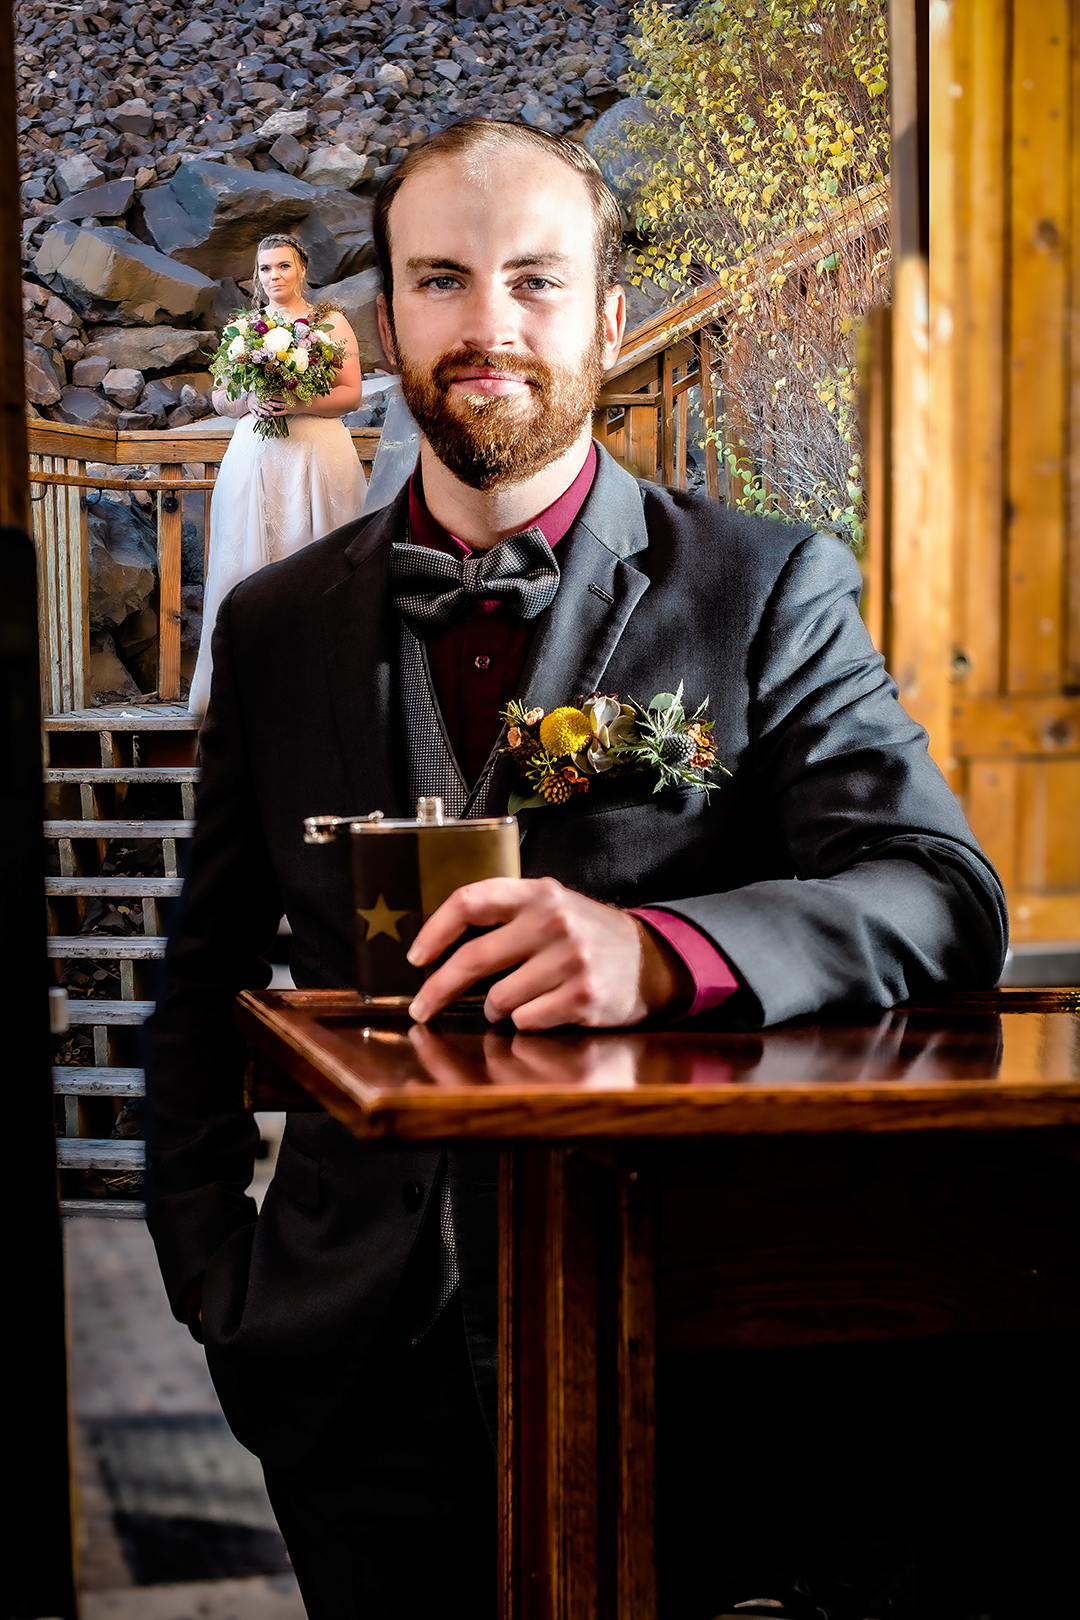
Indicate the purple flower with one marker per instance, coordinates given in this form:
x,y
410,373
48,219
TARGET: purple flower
x,y
260,356
301,320
290,383
261,327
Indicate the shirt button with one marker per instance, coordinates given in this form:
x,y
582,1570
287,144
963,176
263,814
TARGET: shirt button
x,y
482,661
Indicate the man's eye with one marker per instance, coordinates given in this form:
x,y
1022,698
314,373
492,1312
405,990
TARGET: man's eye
x,y
537,284
442,283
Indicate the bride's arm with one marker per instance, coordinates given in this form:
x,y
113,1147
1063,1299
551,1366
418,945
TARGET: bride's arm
x,y
224,406
347,392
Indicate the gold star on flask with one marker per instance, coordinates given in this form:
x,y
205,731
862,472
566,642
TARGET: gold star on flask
x,y
381,920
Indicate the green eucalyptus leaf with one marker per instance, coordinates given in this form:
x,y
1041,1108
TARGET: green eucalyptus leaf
x,y
525,801
663,700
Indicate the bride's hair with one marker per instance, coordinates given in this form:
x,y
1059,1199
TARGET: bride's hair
x,y
279,240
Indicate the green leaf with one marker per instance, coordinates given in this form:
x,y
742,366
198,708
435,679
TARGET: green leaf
x,y
524,801
663,700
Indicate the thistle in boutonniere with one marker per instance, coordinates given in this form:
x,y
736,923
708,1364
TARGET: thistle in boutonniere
x,y
561,754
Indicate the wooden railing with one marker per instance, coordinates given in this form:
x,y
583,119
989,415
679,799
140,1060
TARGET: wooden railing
x,y
59,487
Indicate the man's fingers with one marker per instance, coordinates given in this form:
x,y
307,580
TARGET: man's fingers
x,y
476,905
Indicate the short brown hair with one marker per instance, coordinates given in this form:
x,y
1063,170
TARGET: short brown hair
x,y
279,239
467,136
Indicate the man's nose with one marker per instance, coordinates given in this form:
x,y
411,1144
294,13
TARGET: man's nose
x,y
490,318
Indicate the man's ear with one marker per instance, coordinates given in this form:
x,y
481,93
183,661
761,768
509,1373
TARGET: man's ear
x,y
386,336
614,324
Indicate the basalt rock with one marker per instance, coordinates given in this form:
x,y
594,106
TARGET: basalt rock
x,y
43,382
122,562
152,351
357,297
211,216
337,235
108,274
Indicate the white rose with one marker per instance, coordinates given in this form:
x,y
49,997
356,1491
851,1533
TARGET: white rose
x,y
236,348
299,361
277,340
243,324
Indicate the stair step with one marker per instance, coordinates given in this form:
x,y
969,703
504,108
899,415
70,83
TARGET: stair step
x,y
173,774
99,1153
107,947
124,888
156,717
105,1209
70,1081
84,1010
128,830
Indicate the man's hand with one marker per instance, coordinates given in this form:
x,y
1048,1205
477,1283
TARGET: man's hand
x,y
576,961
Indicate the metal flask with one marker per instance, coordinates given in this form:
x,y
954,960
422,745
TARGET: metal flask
x,y
402,871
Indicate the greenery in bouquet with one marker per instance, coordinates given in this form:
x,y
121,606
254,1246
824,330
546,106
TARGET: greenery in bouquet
x,y
564,753
270,354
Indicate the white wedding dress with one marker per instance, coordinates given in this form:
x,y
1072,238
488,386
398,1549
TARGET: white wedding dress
x,y
273,497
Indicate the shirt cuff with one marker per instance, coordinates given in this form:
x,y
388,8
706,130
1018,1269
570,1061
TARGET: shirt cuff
x,y
713,978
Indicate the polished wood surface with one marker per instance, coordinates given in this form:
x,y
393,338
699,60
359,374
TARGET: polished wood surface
x,y
670,1195
1002,1060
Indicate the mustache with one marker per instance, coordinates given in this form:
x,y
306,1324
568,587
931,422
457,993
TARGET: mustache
x,y
445,369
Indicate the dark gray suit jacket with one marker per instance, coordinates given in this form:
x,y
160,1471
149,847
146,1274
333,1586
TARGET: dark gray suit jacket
x,y
834,866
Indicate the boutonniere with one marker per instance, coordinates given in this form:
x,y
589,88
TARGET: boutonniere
x,y
566,752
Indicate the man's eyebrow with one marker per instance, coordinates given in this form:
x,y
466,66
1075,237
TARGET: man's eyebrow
x,y
523,261
436,264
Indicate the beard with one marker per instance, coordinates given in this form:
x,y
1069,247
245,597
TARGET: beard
x,y
491,440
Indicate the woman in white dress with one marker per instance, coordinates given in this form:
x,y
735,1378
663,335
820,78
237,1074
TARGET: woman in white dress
x,y
274,496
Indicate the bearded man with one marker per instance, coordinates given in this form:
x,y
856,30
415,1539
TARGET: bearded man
x,y
350,1328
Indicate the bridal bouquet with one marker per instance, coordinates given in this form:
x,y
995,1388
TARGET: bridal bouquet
x,y
273,354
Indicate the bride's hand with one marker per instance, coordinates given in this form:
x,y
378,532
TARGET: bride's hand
x,y
267,409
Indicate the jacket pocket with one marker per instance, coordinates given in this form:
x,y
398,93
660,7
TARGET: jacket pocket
x,y
298,1178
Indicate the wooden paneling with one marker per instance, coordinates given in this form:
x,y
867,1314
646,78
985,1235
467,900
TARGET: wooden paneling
x,y
1004,447
1038,316
979,145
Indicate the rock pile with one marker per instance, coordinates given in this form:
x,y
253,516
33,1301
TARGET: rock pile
x,y
159,142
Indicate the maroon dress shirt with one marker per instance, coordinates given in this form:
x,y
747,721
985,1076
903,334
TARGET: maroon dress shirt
x,y
476,665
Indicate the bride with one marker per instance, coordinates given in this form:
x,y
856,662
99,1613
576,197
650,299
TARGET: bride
x,y
274,496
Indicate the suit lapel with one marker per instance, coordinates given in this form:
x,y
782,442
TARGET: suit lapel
x,y
362,653
598,591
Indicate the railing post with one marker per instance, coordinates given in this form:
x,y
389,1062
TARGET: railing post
x,y
170,517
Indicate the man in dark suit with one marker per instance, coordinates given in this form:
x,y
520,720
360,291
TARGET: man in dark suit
x,y
350,1328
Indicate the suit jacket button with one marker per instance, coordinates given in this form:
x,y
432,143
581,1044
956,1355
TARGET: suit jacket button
x,y
412,1195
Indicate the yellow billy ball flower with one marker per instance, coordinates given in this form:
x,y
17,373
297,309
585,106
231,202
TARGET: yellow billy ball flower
x,y
565,731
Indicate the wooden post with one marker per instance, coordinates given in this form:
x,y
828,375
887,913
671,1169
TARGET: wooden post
x,y
169,556
708,410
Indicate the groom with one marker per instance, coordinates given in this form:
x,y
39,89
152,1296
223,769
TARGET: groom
x,y
350,1327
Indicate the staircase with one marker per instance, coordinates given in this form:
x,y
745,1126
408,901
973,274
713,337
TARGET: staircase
x,y
120,801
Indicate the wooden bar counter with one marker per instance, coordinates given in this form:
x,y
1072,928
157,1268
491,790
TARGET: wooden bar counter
x,y
903,1176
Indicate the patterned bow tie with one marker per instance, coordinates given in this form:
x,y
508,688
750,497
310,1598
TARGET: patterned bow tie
x,y
433,590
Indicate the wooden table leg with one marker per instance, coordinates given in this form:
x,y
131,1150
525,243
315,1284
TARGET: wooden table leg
x,y
548,1386
636,1375
576,1393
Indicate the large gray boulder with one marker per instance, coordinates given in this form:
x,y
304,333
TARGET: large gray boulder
x,y
357,297
151,350
109,275
337,166
75,173
211,216
84,407
43,382
101,202
337,236
624,167
122,562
